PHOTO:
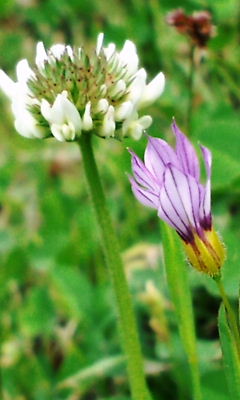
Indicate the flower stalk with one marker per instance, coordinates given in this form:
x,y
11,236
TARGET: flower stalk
x,y
177,277
127,323
231,317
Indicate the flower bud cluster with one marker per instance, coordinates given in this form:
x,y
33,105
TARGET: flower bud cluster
x,y
68,92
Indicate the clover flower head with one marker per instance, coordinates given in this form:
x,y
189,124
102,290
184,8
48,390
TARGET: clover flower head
x,y
68,92
169,181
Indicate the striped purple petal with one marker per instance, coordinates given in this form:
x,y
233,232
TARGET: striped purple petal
x,y
186,153
142,175
180,199
169,180
146,197
157,155
205,209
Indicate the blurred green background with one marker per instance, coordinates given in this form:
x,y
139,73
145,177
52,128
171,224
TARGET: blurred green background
x,y
58,323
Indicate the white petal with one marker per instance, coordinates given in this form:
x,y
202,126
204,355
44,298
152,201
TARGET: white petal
x,y
68,131
137,86
108,124
136,131
57,50
46,109
70,52
57,132
118,88
87,122
123,111
7,85
145,121
26,126
109,50
135,127
63,111
72,115
102,106
128,122
24,72
41,56
56,115
99,43
129,57
152,91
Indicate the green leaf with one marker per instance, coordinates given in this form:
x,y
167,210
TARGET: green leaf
x,y
74,288
98,370
219,135
38,314
177,276
230,356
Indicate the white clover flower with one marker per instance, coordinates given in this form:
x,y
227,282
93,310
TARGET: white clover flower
x,y
68,92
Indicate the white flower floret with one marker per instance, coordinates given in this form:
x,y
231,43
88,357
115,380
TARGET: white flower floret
x,y
7,85
27,126
109,50
25,123
102,106
137,86
135,127
153,90
24,72
123,111
41,56
99,43
63,117
128,56
87,122
119,88
108,125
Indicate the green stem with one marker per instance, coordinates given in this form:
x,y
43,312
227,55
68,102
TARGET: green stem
x,y
178,283
127,323
232,320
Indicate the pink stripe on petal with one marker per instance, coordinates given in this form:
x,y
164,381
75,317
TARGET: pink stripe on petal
x,y
186,153
145,197
169,214
157,155
142,175
205,210
184,193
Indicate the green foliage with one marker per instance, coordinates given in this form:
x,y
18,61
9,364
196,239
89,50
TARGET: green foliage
x,y
57,311
230,355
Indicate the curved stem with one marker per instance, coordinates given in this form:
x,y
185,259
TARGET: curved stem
x,y
127,323
232,320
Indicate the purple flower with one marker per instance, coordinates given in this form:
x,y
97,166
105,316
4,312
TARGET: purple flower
x,y
169,180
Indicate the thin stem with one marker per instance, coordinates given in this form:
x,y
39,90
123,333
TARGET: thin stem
x,y
127,323
232,320
177,277
190,89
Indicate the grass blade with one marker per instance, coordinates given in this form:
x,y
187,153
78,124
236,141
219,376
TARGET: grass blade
x,y
230,355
